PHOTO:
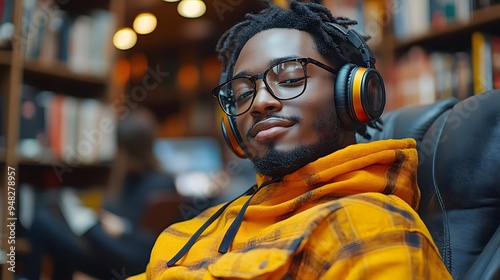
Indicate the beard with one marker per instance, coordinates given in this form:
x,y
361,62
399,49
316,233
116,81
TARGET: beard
x,y
277,163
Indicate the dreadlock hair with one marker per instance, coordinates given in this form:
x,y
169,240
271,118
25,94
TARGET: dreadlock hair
x,y
311,17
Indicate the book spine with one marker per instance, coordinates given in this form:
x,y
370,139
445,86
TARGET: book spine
x,y
481,62
495,59
463,75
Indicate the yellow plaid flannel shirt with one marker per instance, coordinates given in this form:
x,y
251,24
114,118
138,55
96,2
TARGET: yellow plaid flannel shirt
x,y
349,215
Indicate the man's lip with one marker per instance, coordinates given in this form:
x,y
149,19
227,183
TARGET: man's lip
x,y
269,123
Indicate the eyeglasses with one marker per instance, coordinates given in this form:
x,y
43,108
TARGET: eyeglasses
x,y
284,80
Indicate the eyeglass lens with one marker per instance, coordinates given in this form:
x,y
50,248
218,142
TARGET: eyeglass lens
x,y
285,80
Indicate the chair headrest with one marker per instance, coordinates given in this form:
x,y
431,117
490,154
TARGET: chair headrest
x,y
410,121
467,155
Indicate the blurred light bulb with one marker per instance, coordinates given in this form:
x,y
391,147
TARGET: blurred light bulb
x,y
191,8
144,23
124,38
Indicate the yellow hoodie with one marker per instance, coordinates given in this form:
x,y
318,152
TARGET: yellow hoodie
x,y
349,215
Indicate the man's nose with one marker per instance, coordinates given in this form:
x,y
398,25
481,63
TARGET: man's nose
x,y
264,101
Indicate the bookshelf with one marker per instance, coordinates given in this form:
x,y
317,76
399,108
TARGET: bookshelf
x,y
444,59
57,51
482,19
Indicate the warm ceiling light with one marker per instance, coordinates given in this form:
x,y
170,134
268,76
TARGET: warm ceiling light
x,y
124,38
144,23
191,8
171,1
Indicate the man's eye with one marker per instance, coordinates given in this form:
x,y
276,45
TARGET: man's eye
x,y
242,97
292,82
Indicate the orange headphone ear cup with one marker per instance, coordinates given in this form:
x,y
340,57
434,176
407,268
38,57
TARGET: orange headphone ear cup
x,y
359,95
233,137
343,97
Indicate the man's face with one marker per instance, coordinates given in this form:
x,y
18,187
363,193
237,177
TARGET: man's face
x,y
284,135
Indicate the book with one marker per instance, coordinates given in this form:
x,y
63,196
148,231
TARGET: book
x,y
411,18
99,47
32,136
6,23
482,4
417,83
463,75
55,125
1,10
375,21
463,10
443,64
106,127
79,47
49,46
89,138
34,28
69,126
28,28
65,37
481,62
437,14
495,59
450,11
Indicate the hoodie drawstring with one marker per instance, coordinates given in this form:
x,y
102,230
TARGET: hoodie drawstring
x,y
233,229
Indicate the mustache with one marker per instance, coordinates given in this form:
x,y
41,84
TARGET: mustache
x,y
265,117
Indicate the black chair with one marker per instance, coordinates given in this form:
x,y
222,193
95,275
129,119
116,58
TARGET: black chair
x,y
458,143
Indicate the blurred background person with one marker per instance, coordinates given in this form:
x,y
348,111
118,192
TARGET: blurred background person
x,y
111,241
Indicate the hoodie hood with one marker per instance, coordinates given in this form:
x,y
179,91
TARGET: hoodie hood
x,y
383,167
388,167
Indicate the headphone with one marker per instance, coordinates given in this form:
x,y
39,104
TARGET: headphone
x,y
359,93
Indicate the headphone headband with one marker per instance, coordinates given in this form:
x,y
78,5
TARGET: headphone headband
x,y
358,42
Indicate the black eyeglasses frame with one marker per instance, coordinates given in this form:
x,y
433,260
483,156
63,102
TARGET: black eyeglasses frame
x,y
253,79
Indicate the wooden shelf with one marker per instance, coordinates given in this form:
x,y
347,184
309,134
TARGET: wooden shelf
x,y
56,70
54,176
47,160
47,164
59,78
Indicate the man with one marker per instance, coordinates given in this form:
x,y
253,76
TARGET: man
x,y
323,207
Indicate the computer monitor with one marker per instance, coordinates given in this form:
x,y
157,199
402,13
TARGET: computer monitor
x,y
194,162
